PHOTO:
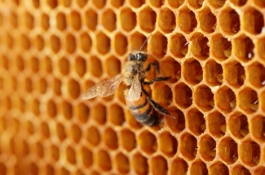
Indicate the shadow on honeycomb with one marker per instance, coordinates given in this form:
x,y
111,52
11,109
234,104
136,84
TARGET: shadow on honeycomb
x,y
51,51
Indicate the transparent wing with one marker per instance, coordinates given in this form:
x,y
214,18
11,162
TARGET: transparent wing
x,y
134,93
104,88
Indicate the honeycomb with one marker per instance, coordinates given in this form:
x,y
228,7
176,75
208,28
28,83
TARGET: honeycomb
x,y
51,51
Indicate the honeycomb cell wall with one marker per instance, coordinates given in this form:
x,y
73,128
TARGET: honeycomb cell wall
x,y
51,51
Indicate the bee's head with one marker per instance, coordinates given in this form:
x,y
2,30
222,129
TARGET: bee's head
x,y
137,57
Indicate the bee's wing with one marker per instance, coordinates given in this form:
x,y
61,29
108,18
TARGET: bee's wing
x,y
104,88
134,93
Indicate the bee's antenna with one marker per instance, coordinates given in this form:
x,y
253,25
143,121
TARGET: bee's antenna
x,y
145,42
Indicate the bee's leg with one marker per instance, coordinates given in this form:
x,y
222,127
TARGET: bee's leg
x,y
156,79
155,64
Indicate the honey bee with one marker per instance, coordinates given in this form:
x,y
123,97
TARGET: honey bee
x,y
137,99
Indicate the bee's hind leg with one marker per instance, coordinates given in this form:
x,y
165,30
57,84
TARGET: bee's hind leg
x,y
155,64
156,79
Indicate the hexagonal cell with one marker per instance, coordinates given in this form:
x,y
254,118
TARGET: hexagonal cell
x,y
198,167
158,45
42,85
110,138
47,65
196,3
162,94
216,124
51,108
238,125
136,42
186,20
158,165
175,4
213,73
87,157
95,66
116,115
260,3
167,144
183,95
28,20
239,2
256,74
249,152
199,46
127,139
108,20
70,155
45,21
192,71
102,43
75,133
139,164
156,3
147,19
56,86
229,21
257,127
119,3
60,131
55,43
63,171
243,48
120,44
52,4
207,20
248,100
99,3
49,170
218,168
260,170
75,20
39,42
54,151
195,121
122,163
70,43
147,142
66,3
239,169
34,63
80,66
178,167
227,150
188,146
73,88
261,48
207,148
39,149
170,68
176,124
19,63
98,113
82,112
81,3
24,42
91,19
45,131
93,135
113,66
225,99
127,19
166,20
221,47
203,97
85,42
103,160
234,73
178,45
253,21
135,3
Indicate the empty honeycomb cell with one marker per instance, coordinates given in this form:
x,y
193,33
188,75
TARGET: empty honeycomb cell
x,y
200,46
229,21
102,43
82,112
73,88
238,125
122,163
110,138
91,19
166,20
36,107
70,155
108,20
98,113
55,153
13,19
63,171
227,150
42,86
49,170
99,3
192,71
81,3
257,127
178,167
87,157
39,42
103,160
157,3
55,43
66,3
47,65
80,66
85,42
30,127
158,165
39,149
158,45
188,146
221,47
36,3
260,3
52,4
75,20
45,21
70,43
117,3
186,20
93,136
225,99
147,142
198,167
127,19
127,139
51,108
170,68
239,169
213,73
57,86
79,172
24,42
178,45
239,2
249,153
113,66
207,20
167,144
183,95
259,171
234,73
248,100
162,94
256,74
19,63
95,66
203,97
216,124
147,19
195,121
45,130
76,133
261,48
10,41
243,48
253,21
29,20
207,148
34,61
120,44
60,131
139,164
218,168
196,3
116,115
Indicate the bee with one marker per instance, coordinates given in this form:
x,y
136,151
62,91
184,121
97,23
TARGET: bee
x,y
143,108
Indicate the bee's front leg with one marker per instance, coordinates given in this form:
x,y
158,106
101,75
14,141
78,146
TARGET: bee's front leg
x,y
156,79
155,64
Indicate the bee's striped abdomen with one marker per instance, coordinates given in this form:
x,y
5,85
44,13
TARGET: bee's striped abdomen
x,y
143,111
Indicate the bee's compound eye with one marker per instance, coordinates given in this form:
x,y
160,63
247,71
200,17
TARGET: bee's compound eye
x,y
141,56
131,57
